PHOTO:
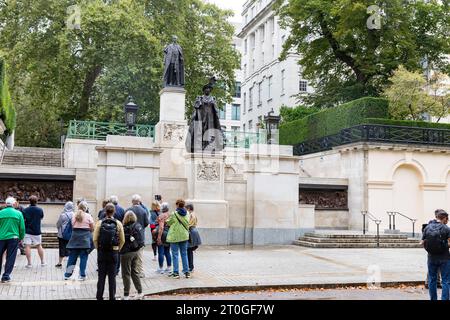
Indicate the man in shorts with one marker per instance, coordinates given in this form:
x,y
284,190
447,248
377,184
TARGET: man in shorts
x,y
33,216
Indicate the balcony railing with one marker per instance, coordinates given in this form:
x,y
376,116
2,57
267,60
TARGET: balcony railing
x,y
93,130
237,139
376,133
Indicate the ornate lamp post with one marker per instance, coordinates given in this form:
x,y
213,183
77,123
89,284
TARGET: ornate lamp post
x,y
131,110
272,124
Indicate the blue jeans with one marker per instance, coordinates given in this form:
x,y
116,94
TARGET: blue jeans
x,y
72,261
435,265
164,252
182,247
10,246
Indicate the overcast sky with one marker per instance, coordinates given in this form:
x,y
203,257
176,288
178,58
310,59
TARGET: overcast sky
x,y
235,5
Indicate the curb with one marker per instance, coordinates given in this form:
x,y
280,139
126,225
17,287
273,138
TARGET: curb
x,y
200,290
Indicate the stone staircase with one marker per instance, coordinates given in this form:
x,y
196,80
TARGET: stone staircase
x,y
355,240
50,239
40,157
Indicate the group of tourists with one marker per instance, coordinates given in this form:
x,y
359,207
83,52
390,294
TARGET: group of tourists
x,y
119,237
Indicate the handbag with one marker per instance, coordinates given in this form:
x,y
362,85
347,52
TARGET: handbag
x,y
187,228
67,232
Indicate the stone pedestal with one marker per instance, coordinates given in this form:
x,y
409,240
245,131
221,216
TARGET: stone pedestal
x,y
127,166
206,190
272,195
172,104
170,136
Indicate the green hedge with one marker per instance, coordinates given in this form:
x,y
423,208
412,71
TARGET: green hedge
x,y
407,123
7,111
331,121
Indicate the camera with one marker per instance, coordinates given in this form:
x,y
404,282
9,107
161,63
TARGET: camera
x,y
158,197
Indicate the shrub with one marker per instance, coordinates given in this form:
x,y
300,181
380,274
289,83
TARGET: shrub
x,y
331,121
7,111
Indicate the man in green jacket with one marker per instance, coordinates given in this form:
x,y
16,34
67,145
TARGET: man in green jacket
x,y
12,230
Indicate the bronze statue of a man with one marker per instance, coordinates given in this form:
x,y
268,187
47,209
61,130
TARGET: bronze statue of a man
x,y
173,65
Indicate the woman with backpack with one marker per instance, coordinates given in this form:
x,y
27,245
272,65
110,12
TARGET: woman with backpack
x,y
108,239
178,237
63,222
160,236
80,242
194,239
129,254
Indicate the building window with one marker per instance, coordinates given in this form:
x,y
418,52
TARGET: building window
x,y
273,51
283,75
260,120
269,88
250,125
236,112
253,65
303,87
245,102
222,113
237,90
259,94
263,33
245,71
262,57
243,127
272,25
250,99
246,18
283,39
245,46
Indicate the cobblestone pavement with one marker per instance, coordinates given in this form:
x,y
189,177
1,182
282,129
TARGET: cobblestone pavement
x,y
229,267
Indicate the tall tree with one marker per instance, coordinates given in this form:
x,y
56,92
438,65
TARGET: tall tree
x,y
87,72
345,59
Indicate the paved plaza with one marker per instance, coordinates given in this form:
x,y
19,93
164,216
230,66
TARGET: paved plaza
x,y
230,267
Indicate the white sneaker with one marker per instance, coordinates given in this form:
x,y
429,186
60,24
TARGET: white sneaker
x,y
139,296
168,270
28,266
80,278
159,270
66,278
43,264
126,298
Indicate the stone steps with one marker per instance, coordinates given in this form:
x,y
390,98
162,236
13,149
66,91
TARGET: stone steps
x,y
356,245
339,240
50,240
41,157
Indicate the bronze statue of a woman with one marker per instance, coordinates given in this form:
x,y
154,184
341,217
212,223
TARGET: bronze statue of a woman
x,y
205,132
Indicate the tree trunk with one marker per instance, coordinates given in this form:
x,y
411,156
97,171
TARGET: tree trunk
x,y
88,85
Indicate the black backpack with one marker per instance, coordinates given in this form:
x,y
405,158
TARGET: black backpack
x,y
436,239
133,236
109,235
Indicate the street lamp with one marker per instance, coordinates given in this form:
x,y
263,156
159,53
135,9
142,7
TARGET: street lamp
x,y
131,110
272,124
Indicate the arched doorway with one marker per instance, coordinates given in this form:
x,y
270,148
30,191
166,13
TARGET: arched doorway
x,y
408,197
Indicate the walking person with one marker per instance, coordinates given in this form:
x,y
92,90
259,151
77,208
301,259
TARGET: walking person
x,y
194,237
64,219
160,235
143,219
129,254
33,216
80,243
153,218
12,230
178,237
435,240
108,239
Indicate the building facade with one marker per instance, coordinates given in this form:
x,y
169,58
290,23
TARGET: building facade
x,y
267,82
230,115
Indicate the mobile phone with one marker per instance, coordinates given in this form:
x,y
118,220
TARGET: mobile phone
x,y
158,197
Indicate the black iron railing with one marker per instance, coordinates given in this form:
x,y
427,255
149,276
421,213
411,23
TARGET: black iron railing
x,y
376,133
368,216
392,215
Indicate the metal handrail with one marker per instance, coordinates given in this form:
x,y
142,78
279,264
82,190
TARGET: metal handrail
x,y
374,219
3,153
392,215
